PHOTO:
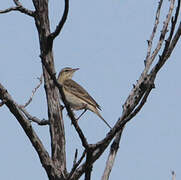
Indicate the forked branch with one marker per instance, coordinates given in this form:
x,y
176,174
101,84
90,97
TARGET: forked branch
x,y
19,7
140,92
59,27
150,41
164,30
76,164
26,125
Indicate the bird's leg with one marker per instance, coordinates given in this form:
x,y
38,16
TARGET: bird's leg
x,y
81,114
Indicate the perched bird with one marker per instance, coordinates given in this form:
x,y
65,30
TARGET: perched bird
x,y
77,96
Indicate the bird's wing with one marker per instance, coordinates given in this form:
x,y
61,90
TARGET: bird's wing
x,y
74,88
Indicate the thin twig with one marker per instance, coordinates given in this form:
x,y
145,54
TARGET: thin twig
x,y
178,32
167,51
175,40
17,3
34,119
58,29
33,92
75,157
16,8
157,17
76,165
23,9
161,39
19,8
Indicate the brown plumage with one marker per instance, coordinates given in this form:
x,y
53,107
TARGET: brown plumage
x,y
76,95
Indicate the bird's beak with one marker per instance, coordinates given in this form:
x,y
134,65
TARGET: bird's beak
x,y
75,69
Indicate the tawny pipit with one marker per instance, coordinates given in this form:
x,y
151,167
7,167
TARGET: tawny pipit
x,y
77,96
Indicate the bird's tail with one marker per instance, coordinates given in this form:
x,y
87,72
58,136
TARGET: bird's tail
x,y
98,113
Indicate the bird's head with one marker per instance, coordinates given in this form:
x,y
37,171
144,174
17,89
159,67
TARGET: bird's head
x,y
66,73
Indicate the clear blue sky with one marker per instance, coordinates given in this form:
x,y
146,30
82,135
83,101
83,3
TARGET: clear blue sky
x,y
107,41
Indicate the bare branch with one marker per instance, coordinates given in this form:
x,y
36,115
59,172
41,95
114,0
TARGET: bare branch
x,y
88,165
136,98
75,165
164,30
17,3
115,144
142,87
100,146
23,9
56,128
58,29
9,9
134,103
33,92
19,8
154,30
75,157
139,107
62,21
178,32
125,117
175,40
34,119
112,155
26,125
169,48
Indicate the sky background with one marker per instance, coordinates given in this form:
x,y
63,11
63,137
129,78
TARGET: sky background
x,y
107,41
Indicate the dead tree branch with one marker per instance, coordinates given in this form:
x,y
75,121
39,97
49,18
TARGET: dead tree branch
x,y
56,128
19,7
112,155
164,30
34,119
140,91
58,29
150,41
75,157
33,92
88,165
169,43
76,164
56,166
26,125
